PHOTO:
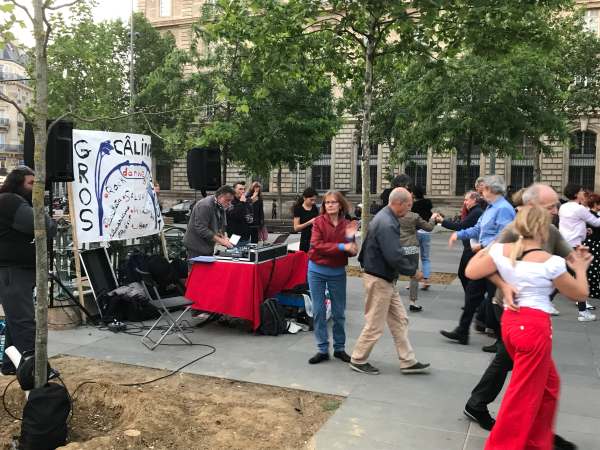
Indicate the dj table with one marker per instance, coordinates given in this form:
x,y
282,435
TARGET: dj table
x,y
237,288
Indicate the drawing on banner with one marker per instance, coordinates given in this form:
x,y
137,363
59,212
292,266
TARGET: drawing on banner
x,y
114,190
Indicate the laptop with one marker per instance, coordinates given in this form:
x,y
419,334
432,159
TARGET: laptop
x,y
280,239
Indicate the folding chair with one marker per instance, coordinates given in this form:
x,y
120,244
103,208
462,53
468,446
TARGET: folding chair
x,y
165,306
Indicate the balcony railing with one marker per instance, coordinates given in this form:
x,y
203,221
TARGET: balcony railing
x,y
11,148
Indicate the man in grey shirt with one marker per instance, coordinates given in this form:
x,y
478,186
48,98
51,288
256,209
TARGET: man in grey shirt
x,y
208,222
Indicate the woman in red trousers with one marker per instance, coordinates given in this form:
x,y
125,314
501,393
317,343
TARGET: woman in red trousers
x,y
527,413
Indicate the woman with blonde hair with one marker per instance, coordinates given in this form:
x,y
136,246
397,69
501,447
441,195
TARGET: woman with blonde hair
x,y
527,413
331,243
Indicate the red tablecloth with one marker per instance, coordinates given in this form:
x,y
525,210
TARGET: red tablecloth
x,y
237,289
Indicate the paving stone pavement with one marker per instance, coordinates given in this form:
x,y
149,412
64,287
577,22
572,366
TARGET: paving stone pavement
x,y
391,410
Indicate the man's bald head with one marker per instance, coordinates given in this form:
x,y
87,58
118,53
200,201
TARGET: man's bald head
x,y
541,195
400,201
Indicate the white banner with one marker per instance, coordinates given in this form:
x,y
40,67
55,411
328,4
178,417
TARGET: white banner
x,y
113,188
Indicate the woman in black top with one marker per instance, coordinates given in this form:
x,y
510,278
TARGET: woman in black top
x,y
422,206
471,215
255,200
304,213
593,242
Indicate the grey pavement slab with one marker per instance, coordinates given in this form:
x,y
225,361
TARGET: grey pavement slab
x,y
389,411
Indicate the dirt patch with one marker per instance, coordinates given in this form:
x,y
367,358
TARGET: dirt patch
x,y
435,277
181,412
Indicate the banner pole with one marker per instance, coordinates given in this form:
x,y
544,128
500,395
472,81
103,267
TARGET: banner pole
x,y
163,242
73,219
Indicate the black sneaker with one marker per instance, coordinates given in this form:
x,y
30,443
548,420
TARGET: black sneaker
x,y
415,308
492,348
482,417
416,368
9,371
561,443
342,355
319,357
456,335
364,368
479,326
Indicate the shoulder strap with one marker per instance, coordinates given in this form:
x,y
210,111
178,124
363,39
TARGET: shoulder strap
x,y
530,251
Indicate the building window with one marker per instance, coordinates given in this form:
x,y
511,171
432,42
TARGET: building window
x,y
321,170
372,168
163,176
592,20
467,168
521,167
416,168
164,8
582,159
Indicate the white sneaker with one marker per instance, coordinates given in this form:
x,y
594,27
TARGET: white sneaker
x,y
554,311
198,319
589,306
586,316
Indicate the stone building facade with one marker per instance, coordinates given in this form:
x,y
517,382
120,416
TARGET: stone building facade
x,y
445,176
12,125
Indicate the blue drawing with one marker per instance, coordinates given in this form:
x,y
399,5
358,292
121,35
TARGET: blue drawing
x,y
105,150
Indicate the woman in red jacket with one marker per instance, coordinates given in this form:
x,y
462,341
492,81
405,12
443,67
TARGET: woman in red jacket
x,y
331,242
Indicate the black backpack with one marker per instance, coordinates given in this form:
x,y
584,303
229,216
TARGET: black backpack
x,y
45,416
272,318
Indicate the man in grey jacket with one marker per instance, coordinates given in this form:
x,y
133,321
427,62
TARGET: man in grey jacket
x,y
381,256
208,223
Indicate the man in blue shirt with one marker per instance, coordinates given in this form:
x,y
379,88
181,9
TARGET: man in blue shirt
x,y
497,215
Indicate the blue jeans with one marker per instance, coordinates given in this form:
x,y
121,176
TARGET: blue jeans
x,y
424,246
337,291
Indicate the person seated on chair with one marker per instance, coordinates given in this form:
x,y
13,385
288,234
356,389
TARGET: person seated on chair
x,y
207,224
239,216
18,262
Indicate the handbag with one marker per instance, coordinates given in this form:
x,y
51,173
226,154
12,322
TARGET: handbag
x,y
410,263
263,234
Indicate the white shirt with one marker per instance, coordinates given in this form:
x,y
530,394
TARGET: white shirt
x,y
573,220
532,280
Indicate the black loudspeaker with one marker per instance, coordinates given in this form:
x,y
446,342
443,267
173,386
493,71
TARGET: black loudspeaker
x,y
59,151
204,169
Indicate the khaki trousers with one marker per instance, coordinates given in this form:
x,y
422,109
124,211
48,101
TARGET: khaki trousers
x,y
383,304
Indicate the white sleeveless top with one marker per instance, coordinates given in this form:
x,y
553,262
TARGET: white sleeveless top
x,y
532,280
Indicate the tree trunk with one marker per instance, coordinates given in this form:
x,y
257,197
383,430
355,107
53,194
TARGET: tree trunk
x,y
537,163
279,195
224,161
364,139
41,248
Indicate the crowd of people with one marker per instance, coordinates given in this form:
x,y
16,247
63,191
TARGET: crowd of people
x,y
518,253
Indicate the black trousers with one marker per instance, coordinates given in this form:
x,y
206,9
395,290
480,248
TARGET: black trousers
x,y
467,254
474,296
492,381
16,295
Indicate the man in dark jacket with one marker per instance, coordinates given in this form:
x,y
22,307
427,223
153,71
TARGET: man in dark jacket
x,y
17,261
381,257
208,223
239,216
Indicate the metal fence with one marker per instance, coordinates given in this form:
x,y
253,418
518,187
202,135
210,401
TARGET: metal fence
x,y
416,168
